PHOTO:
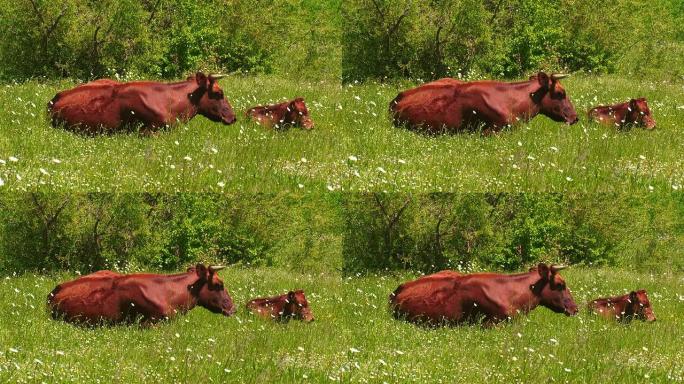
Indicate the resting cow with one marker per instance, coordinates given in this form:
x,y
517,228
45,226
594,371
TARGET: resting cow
x,y
622,115
107,297
108,105
292,305
453,298
288,114
634,305
450,105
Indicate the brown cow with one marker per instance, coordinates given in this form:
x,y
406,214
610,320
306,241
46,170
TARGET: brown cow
x,y
107,297
450,105
622,115
292,305
283,115
108,105
453,298
634,305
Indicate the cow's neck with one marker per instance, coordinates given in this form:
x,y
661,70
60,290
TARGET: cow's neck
x,y
181,105
180,298
524,107
522,299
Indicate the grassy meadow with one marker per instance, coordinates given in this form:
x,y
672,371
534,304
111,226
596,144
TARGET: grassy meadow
x,y
354,338
354,146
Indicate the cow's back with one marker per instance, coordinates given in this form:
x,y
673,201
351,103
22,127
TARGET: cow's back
x,y
86,299
427,297
87,106
430,107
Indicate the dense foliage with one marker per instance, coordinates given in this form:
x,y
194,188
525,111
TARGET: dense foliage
x,y
432,232
87,232
169,39
508,38
351,233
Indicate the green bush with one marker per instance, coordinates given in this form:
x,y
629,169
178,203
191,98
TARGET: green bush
x,y
166,39
429,39
509,231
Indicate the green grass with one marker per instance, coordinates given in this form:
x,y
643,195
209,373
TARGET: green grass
x,y
354,339
350,121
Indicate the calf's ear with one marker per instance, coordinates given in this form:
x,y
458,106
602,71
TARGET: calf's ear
x,y
633,105
633,297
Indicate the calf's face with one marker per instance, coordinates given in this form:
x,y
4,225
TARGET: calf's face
x,y
640,113
298,114
641,305
297,307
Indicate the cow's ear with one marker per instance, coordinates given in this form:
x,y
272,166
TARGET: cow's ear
x,y
543,270
201,270
201,80
543,79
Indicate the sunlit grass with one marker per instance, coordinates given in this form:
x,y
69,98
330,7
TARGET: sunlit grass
x,y
354,339
354,146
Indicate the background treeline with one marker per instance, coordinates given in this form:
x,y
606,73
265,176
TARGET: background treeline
x,y
347,233
508,38
168,38
87,232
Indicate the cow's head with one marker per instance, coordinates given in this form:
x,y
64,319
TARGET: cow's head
x,y
296,307
552,291
298,114
552,99
209,290
210,101
640,114
640,306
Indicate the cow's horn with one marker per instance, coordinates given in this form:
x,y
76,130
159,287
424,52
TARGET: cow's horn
x,y
558,267
216,267
218,76
558,76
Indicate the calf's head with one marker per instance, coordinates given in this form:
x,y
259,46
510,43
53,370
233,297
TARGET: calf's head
x,y
298,114
639,306
552,291
210,101
210,292
552,99
297,307
640,114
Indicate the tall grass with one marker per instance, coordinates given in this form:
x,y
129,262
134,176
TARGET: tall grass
x,y
354,147
354,338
